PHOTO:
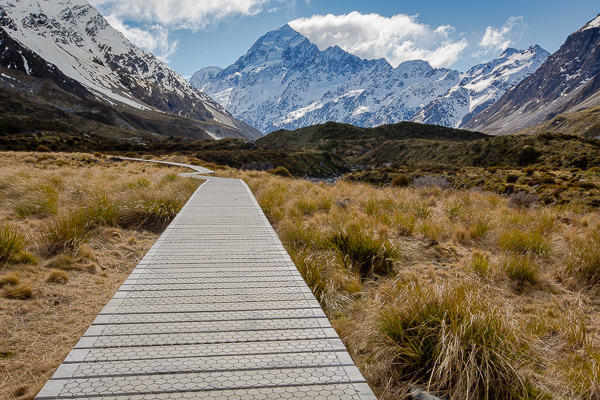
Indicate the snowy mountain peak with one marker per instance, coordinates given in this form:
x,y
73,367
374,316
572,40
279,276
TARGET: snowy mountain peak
x,y
482,86
595,23
285,81
74,37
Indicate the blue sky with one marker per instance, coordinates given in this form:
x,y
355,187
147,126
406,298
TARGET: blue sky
x,y
191,34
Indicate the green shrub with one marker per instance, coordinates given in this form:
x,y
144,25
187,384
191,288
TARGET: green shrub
x,y
12,242
448,339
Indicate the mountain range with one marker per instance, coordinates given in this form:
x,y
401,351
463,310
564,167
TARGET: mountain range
x,y
285,82
63,56
63,68
568,83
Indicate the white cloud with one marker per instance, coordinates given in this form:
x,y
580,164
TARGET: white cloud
x,y
155,39
504,37
179,14
398,38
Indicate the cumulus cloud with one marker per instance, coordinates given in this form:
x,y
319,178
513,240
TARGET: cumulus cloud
x,y
502,38
179,14
155,39
398,38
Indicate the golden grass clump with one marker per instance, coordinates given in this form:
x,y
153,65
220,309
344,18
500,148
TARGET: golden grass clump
x,y
9,279
22,291
362,253
57,276
521,268
451,341
12,241
522,241
61,261
584,258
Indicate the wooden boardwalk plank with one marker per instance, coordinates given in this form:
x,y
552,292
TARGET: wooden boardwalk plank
x,y
215,310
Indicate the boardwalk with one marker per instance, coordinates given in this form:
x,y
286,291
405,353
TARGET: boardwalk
x,y
215,310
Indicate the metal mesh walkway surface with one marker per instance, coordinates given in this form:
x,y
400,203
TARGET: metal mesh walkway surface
x,y
215,310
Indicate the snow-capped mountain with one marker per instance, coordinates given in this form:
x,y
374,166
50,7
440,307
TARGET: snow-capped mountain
x,y
569,81
285,81
73,38
482,86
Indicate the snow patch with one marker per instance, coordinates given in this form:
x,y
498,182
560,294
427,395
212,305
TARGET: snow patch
x,y
595,23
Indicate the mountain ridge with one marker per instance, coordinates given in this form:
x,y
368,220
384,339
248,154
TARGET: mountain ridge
x,y
568,82
76,40
284,82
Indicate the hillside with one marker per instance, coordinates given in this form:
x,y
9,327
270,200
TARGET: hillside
x,y
71,59
409,143
332,134
569,81
585,123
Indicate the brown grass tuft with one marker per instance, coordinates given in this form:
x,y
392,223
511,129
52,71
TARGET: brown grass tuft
x,y
57,276
9,279
21,291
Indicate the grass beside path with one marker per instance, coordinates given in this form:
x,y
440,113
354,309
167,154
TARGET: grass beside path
x,y
72,227
461,292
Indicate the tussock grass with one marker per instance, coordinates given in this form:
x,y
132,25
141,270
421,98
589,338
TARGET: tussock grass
x,y
39,204
57,276
480,265
520,241
21,291
448,340
9,279
62,262
361,253
521,268
12,241
67,231
584,258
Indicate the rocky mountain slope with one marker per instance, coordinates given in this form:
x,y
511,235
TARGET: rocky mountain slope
x,y
568,82
285,81
482,86
68,45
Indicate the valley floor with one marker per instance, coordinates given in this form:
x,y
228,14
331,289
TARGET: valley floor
x,y
466,293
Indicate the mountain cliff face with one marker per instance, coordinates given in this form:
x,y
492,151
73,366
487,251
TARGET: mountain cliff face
x,y
285,81
569,81
74,41
482,86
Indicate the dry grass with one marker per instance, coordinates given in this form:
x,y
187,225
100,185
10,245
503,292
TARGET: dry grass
x,y
476,298
78,228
